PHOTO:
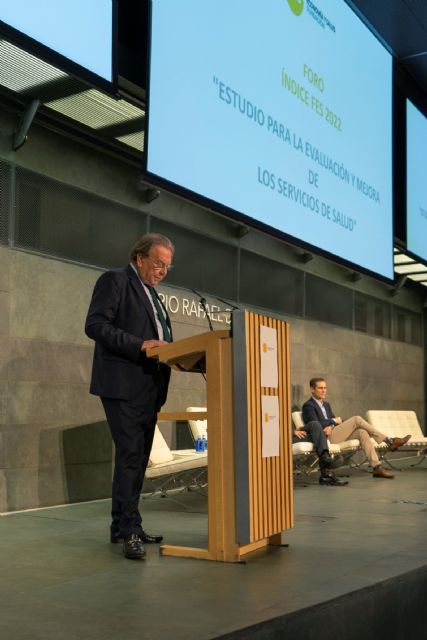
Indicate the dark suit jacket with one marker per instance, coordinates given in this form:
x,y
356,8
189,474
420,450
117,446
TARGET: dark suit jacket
x,y
312,411
119,319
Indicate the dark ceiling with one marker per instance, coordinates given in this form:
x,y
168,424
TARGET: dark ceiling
x,y
402,25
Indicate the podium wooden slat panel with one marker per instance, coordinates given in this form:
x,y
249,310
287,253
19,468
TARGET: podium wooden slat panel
x,y
270,480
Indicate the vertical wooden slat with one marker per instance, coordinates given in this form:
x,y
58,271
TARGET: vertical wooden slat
x,y
252,430
264,461
261,461
284,454
287,395
277,460
271,486
285,426
259,466
269,465
287,435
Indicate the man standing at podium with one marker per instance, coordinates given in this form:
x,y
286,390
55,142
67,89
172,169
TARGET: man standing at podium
x,y
125,318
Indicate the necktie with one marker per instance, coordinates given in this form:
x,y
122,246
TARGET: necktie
x,y
166,331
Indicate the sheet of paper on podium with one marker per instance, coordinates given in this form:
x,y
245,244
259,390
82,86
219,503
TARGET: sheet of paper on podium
x,y
270,426
268,351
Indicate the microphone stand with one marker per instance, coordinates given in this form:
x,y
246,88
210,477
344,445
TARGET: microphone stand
x,y
202,301
233,308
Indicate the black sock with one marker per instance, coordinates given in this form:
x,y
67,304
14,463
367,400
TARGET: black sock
x,y
389,440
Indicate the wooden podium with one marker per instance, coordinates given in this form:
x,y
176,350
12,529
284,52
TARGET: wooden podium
x,y
250,494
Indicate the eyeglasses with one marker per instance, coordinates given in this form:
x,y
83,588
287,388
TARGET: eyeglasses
x,y
160,266
157,264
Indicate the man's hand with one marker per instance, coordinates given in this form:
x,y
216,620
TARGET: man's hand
x,y
150,344
300,434
327,431
338,420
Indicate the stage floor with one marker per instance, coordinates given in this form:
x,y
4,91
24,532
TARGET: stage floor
x,y
62,580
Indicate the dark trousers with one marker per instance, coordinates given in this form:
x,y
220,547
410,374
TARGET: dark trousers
x,y
316,435
132,428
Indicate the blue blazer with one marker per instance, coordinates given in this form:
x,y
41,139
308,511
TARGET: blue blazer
x,y
119,319
312,411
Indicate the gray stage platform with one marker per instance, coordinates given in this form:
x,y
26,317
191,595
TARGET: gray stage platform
x,y
356,567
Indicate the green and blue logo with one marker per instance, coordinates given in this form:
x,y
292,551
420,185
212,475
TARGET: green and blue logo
x,y
296,6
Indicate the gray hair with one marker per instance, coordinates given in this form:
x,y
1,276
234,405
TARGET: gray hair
x,y
144,244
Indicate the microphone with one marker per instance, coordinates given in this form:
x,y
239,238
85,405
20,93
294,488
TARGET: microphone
x,y
202,301
233,306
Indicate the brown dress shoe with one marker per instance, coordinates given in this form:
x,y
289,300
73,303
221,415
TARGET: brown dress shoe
x,y
380,472
398,442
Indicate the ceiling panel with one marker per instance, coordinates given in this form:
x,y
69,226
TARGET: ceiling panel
x,y
402,25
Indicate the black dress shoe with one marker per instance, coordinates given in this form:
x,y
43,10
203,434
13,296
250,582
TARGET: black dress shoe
x,y
331,480
150,538
116,537
133,547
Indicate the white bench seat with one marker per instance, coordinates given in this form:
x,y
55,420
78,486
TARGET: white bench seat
x,y
398,424
174,469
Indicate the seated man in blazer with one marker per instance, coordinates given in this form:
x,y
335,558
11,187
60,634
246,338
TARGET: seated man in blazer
x,y
313,432
125,318
338,430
